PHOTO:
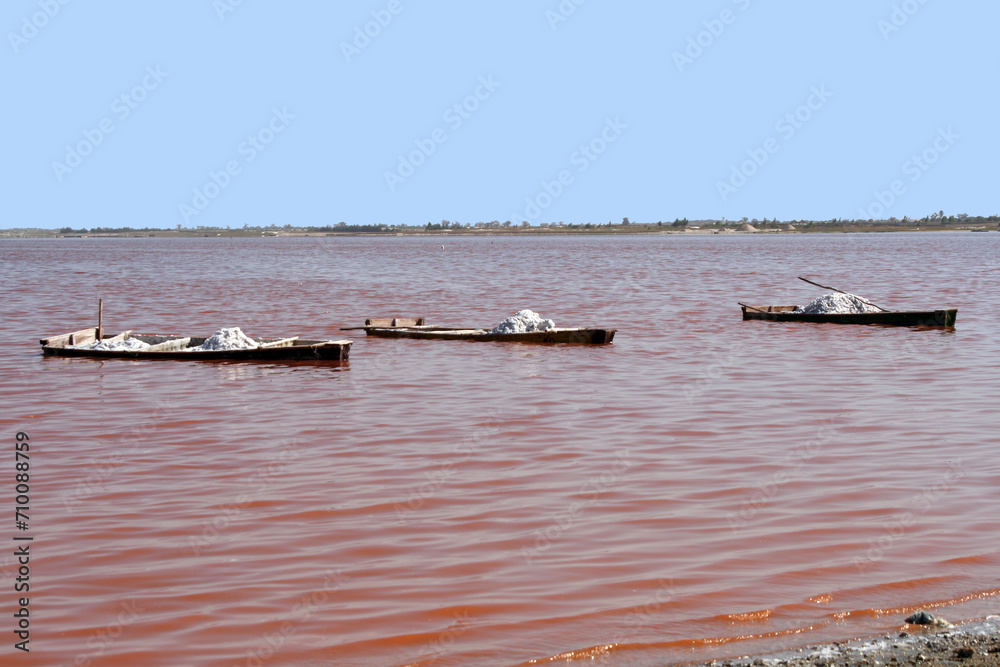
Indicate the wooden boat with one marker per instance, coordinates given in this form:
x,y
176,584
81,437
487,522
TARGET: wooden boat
x,y
178,347
899,318
401,327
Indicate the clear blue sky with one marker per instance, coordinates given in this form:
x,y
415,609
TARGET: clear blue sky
x,y
116,112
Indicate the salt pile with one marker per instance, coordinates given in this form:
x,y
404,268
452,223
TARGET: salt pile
x,y
227,339
523,321
129,344
837,303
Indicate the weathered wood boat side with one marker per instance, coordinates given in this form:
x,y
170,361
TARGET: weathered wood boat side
x,y
585,336
178,347
901,318
415,328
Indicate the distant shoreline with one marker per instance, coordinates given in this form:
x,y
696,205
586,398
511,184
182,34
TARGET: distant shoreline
x,y
781,229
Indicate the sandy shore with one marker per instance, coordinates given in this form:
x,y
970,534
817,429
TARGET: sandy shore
x,y
970,645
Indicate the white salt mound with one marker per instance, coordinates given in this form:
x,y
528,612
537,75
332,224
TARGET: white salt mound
x,y
130,344
227,339
836,303
523,321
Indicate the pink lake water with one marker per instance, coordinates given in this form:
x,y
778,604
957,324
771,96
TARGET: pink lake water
x,y
702,488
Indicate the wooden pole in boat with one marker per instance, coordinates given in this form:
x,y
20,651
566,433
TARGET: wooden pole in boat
x,y
834,289
759,310
100,320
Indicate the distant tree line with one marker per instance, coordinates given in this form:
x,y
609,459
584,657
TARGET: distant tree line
x,y
937,219
107,230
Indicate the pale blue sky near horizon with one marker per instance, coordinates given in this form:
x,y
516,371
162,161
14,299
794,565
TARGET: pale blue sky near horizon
x,y
208,112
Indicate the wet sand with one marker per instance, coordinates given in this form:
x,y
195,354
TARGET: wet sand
x,y
969,645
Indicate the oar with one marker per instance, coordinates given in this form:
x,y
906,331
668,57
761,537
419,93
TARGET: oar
x,y
834,289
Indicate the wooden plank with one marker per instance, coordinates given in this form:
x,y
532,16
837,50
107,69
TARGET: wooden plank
x,y
169,345
83,335
284,342
54,340
745,306
396,322
117,338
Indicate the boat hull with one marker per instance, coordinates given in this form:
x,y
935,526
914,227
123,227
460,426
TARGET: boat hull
x,y
574,336
900,318
273,349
